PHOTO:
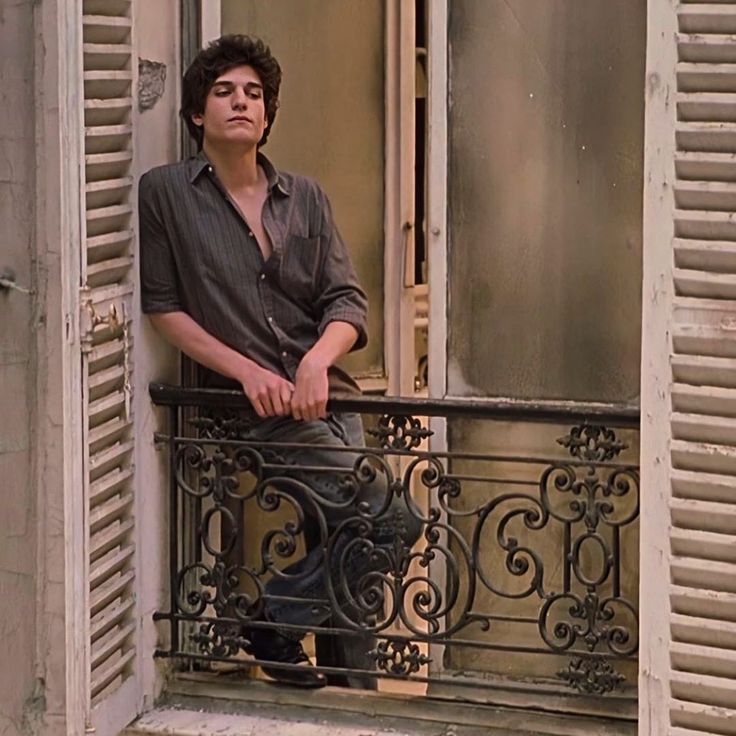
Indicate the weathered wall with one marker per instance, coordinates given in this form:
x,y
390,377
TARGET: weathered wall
x,y
156,143
18,518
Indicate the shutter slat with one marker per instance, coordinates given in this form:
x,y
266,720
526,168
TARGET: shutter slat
x,y
108,433
693,513
106,21
703,486
108,511
108,458
110,589
102,677
106,408
709,285
104,185
103,648
710,400
109,484
106,213
715,430
705,631
110,616
695,543
717,256
114,536
106,566
692,572
108,75
104,379
113,157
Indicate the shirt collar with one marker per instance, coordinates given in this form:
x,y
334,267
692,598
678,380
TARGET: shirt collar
x,y
200,162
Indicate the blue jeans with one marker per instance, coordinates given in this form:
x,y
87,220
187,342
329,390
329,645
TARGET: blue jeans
x,y
359,545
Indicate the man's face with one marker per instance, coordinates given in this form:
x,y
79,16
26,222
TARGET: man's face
x,y
234,110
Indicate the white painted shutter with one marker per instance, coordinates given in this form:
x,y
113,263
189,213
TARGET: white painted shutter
x,y
106,307
703,364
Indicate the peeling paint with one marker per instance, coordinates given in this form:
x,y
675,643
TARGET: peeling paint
x,y
151,83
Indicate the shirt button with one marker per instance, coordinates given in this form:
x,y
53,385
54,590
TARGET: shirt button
x,y
263,276
250,233
270,319
284,354
209,168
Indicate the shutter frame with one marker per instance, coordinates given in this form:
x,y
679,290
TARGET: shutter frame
x,y
109,75
688,667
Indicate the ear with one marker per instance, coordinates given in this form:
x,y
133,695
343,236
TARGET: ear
x,y
198,119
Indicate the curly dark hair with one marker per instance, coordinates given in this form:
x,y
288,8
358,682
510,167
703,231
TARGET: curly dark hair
x,y
218,57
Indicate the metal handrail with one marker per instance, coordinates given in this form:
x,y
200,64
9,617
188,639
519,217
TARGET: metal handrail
x,y
617,415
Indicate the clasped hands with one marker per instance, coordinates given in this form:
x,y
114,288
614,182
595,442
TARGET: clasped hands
x,y
274,396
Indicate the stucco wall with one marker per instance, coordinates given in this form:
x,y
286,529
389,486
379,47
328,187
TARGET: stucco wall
x,y
156,143
20,695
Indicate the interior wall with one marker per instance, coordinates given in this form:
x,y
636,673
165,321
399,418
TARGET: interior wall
x,y
330,125
20,694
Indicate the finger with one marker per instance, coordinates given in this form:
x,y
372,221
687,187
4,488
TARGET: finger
x,y
296,407
258,406
322,409
265,400
275,397
286,394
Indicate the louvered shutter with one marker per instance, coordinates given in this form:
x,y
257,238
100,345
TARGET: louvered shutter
x,y
702,644
106,306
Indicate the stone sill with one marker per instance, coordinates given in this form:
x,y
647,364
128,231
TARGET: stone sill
x,y
198,705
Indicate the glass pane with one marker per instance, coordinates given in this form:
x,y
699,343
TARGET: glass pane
x,y
545,190
331,122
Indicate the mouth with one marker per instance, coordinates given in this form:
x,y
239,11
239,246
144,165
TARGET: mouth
x,y
239,119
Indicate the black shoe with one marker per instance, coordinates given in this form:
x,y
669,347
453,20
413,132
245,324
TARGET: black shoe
x,y
270,646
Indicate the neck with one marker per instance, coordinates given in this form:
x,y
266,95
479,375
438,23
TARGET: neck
x,y
235,168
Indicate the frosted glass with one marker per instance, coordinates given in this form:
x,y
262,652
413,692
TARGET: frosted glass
x,y
545,198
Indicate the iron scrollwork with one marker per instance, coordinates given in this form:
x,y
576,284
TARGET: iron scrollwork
x,y
591,675
377,582
399,657
399,432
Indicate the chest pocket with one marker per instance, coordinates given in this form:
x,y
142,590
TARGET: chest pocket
x,y
300,266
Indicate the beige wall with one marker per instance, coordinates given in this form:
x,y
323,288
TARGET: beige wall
x,y
156,143
331,122
18,517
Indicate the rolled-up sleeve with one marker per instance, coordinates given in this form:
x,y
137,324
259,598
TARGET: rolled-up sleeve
x,y
159,282
341,298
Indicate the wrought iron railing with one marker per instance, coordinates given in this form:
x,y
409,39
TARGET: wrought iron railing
x,y
473,565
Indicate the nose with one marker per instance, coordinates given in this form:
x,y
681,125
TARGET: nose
x,y
239,98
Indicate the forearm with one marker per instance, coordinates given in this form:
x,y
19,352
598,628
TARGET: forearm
x,y
335,342
182,331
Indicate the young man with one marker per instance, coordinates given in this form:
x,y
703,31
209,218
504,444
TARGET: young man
x,y
243,269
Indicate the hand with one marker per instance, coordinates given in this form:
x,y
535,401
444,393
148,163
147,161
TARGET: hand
x,y
269,393
309,401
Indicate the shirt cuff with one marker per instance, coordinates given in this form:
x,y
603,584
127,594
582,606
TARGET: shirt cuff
x,y
352,317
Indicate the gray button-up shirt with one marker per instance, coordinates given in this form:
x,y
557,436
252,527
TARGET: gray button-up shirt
x,y
197,255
